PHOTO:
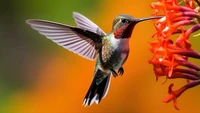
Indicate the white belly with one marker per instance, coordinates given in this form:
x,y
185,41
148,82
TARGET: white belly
x,y
122,46
122,61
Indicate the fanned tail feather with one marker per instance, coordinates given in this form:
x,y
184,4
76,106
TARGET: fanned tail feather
x,y
97,90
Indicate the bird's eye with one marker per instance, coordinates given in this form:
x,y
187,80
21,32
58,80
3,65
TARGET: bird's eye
x,y
124,20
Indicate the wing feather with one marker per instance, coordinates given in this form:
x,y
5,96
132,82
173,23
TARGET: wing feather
x,y
67,37
85,23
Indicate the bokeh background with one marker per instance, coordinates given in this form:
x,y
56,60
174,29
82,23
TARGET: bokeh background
x,y
37,76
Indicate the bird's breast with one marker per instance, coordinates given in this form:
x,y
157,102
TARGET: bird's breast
x,y
114,52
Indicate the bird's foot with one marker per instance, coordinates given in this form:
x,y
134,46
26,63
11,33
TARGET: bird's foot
x,y
121,71
114,73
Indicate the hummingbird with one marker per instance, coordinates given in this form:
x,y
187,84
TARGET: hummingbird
x,y
91,42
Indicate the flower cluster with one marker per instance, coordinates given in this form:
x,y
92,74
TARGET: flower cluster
x,y
172,49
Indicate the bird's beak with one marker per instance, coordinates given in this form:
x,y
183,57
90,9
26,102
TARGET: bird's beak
x,y
149,18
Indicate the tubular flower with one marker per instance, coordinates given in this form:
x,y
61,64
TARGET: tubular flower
x,y
170,57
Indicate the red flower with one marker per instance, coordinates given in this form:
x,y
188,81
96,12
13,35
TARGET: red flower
x,y
170,58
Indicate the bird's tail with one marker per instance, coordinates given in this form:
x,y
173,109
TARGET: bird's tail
x,y
98,89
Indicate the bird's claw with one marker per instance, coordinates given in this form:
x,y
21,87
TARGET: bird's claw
x,y
114,73
121,71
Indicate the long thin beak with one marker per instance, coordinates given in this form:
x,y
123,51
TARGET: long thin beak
x,y
149,18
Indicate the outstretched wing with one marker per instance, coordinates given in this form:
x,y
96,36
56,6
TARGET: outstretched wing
x,y
84,23
79,41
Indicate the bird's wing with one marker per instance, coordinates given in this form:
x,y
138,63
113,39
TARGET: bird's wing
x,y
79,41
85,23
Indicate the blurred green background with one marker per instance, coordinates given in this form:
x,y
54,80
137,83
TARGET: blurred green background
x,y
37,76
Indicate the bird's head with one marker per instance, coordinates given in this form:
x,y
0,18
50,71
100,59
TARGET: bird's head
x,y
123,25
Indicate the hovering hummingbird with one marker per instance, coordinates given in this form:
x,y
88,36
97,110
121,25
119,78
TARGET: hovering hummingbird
x,y
90,41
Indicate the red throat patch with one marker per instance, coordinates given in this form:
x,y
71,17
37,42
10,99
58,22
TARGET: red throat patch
x,y
124,32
